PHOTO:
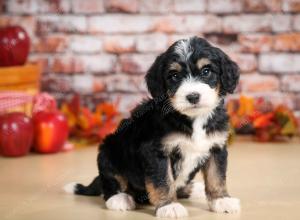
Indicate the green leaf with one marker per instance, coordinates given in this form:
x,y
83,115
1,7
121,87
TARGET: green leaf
x,y
289,128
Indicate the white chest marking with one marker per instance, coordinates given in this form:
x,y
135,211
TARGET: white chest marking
x,y
194,149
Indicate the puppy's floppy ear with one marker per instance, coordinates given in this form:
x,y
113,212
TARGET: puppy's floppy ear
x,y
154,77
230,73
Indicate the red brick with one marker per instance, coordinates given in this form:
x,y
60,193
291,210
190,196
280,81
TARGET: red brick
x,y
122,83
279,63
22,7
27,22
281,23
191,23
291,83
56,6
181,6
56,83
287,42
246,62
156,6
274,5
50,44
61,23
291,6
255,43
129,6
115,23
255,6
221,39
83,83
67,64
152,43
262,5
98,85
258,83
102,63
168,24
199,24
86,44
232,48
126,102
31,6
224,6
87,6
296,23
119,44
136,63
247,23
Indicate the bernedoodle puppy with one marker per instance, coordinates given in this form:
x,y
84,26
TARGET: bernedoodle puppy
x,y
155,154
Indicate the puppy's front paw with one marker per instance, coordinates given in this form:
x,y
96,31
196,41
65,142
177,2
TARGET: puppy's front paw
x,y
225,205
120,202
172,210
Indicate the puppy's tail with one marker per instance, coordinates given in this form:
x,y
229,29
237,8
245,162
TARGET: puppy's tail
x,y
94,189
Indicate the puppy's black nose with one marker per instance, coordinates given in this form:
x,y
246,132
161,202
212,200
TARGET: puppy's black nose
x,y
193,97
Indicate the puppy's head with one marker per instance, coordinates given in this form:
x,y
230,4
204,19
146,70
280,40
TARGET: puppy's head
x,y
194,76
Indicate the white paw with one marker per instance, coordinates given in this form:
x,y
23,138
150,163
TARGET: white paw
x,y
70,187
198,191
225,205
172,210
120,202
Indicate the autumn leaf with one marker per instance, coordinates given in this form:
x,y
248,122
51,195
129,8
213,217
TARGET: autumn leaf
x,y
71,117
107,109
246,106
86,119
75,104
264,120
90,125
107,128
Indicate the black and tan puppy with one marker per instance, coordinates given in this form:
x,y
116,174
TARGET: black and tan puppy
x,y
155,154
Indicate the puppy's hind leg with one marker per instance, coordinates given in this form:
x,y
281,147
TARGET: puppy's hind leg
x,y
115,196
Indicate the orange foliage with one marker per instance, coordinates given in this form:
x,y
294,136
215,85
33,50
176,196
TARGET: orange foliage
x,y
92,126
259,117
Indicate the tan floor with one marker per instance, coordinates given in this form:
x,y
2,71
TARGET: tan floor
x,y
266,177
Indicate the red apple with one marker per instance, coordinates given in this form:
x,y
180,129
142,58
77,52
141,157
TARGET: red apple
x,y
16,134
51,131
14,46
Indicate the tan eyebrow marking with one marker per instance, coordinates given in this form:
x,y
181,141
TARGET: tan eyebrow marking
x,y
175,66
202,62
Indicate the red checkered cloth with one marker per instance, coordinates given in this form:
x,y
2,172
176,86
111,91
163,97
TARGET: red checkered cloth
x,y
13,99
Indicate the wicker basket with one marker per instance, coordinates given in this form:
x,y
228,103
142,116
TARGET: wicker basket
x,y
18,85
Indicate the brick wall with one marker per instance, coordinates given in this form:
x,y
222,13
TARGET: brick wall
x,y
102,48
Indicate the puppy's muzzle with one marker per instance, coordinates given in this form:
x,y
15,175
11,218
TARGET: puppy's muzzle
x,y
193,98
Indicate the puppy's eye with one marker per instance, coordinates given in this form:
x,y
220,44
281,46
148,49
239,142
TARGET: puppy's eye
x,y
174,76
205,71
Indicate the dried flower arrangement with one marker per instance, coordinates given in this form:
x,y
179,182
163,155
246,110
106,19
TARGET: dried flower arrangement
x,y
261,118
